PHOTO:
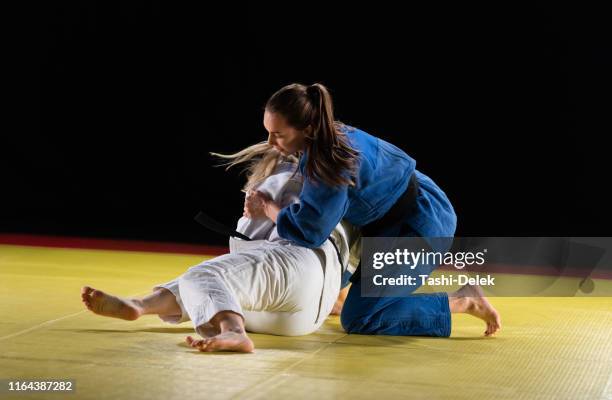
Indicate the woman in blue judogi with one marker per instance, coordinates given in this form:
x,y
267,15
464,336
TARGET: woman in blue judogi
x,y
352,175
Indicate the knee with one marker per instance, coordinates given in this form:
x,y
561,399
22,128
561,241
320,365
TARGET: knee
x,y
345,321
198,272
293,329
280,323
359,317
348,320
349,314
358,325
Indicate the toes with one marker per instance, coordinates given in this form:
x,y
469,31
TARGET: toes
x,y
197,344
97,294
85,300
205,345
192,342
86,292
492,328
210,345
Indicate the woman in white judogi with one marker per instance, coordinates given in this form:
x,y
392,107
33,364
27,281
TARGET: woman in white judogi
x,y
267,285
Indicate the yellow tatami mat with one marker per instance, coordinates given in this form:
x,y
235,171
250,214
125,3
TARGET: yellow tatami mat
x,y
548,348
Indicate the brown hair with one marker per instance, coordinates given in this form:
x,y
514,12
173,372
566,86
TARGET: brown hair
x,y
331,159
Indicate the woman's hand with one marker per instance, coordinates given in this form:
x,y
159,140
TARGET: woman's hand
x,y
253,206
258,204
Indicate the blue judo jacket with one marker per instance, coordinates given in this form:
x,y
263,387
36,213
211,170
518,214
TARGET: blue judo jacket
x,y
383,175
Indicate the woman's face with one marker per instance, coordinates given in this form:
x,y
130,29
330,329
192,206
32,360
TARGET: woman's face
x,y
281,135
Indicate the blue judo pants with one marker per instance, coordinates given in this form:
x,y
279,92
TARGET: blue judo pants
x,y
409,315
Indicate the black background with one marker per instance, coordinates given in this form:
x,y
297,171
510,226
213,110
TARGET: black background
x,y
114,108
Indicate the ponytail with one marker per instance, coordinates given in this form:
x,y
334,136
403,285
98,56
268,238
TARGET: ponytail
x,y
330,158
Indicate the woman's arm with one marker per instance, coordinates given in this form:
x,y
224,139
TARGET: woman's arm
x,y
310,222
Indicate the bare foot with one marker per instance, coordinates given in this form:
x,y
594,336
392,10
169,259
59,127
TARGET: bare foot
x,y
109,306
226,341
337,309
471,300
207,330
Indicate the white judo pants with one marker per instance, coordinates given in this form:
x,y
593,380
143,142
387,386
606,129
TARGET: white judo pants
x,y
278,288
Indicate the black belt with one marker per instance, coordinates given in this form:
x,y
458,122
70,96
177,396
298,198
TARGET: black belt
x,y
216,226
397,213
393,221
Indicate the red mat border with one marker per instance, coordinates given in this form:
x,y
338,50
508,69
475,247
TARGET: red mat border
x,y
109,244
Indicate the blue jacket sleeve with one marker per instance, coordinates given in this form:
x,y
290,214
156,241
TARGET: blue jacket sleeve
x,y
310,222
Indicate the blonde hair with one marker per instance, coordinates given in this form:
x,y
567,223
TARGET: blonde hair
x,y
262,159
